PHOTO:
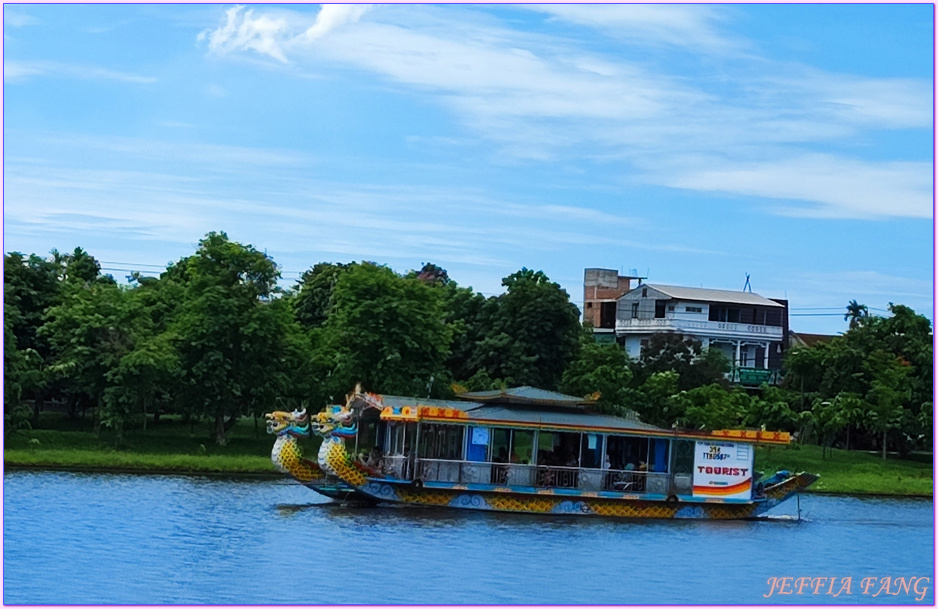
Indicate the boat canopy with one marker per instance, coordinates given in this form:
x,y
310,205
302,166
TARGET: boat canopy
x,y
526,407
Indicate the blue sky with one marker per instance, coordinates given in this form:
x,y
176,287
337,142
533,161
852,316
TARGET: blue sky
x,y
693,143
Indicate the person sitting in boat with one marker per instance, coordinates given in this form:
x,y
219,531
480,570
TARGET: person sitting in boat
x,y
375,459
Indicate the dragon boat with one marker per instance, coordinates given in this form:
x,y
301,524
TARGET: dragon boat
x,y
532,451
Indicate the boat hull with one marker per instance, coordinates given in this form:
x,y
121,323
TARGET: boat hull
x,y
548,501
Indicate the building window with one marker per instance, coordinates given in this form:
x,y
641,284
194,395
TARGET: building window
x,y
659,309
634,310
641,346
724,314
694,309
644,292
671,308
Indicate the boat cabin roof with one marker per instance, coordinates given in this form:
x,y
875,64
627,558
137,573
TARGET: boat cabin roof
x,y
527,407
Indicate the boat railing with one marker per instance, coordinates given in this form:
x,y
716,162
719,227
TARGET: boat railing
x,y
522,474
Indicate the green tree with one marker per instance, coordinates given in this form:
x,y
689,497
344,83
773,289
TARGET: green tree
x,y
31,285
712,406
887,393
771,409
533,332
694,365
386,331
601,368
313,300
91,330
856,313
229,340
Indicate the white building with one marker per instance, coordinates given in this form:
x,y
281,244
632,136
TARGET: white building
x,y
749,329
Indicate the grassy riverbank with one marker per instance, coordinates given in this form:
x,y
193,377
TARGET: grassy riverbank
x,y
170,446
173,446
851,472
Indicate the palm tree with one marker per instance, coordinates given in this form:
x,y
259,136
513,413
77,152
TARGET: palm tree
x,y
856,313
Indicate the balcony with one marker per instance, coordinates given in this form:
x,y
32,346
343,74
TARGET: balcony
x,y
713,329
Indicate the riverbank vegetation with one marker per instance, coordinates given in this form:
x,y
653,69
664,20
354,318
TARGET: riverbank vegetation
x,y
214,342
173,446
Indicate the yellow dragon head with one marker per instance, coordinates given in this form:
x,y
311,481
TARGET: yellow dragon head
x,y
294,423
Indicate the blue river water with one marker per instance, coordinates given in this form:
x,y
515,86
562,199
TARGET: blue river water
x,y
72,538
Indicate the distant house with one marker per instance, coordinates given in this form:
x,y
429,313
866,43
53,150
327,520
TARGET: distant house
x,y
601,290
750,330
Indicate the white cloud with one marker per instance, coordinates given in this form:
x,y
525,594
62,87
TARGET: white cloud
x,y
658,24
15,18
18,70
540,97
332,16
271,34
844,188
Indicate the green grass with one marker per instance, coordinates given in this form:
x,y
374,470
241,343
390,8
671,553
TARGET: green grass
x,y
170,446
851,472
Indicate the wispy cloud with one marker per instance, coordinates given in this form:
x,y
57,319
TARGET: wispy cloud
x,y
14,71
693,26
15,18
751,124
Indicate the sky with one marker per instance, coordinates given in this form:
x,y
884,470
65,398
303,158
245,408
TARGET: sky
x,y
690,144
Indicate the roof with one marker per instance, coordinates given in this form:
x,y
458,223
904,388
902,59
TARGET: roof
x,y
525,396
706,294
558,418
809,340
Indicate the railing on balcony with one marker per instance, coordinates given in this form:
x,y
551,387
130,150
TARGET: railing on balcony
x,y
521,474
696,327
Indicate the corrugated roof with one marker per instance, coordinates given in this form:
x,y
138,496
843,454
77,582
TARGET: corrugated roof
x,y
396,401
558,418
706,294
525,395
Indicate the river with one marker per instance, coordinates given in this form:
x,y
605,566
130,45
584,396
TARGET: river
x,y
73,538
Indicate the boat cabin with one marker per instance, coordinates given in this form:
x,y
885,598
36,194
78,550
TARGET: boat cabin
x,y
530,440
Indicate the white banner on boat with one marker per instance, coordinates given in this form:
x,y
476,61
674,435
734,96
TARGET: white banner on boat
x,y
723,469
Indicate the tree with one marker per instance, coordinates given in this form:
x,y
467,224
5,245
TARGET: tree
x,y
229,341
695,366
712,406
771,410
31,286
533,332
886,361
385,331
856,313
887,393
313,301
91,330
602,369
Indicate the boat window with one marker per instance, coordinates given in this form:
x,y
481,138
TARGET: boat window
x,y
478,449
591,447
627,452
401,437
500,445
558,448
441,441
522,446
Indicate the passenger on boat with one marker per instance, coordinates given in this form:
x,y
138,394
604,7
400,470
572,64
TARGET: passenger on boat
x,y
375,459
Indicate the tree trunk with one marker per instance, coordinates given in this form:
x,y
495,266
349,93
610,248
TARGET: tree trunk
x,y
884,445
38,403
848,437
221,437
